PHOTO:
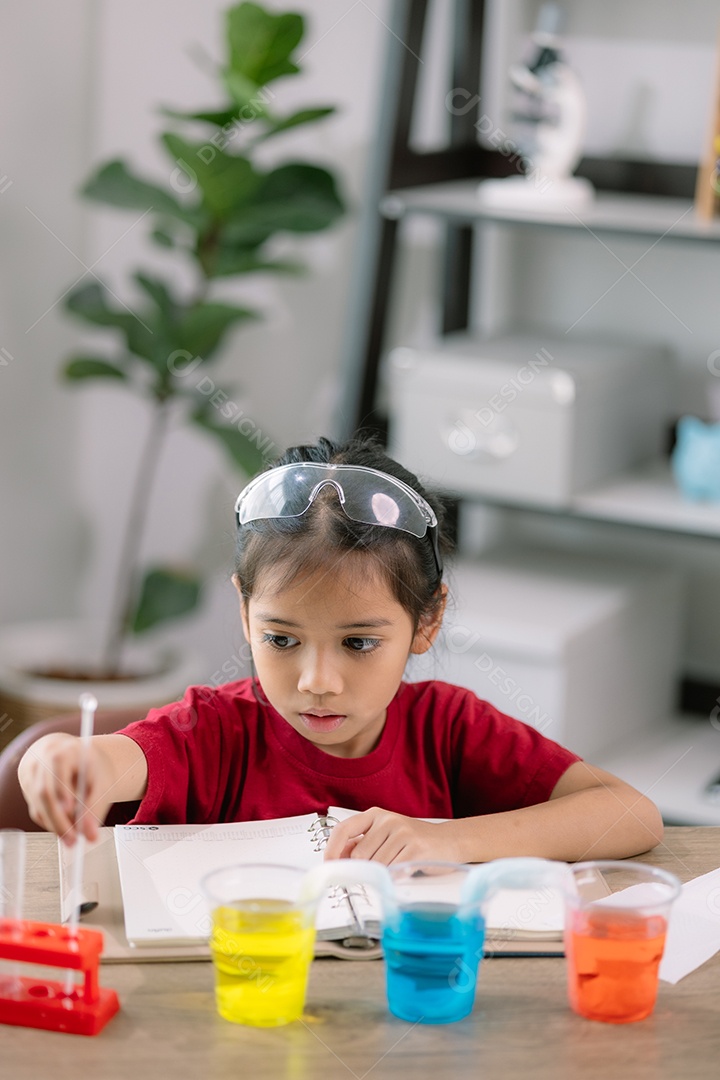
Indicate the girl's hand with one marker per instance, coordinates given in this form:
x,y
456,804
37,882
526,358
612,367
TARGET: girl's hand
x,y
388,838
48,775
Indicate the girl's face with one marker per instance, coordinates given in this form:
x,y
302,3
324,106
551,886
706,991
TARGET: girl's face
x,y
330,651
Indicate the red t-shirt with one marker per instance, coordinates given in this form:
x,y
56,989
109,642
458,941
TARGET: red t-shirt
x,y
221,755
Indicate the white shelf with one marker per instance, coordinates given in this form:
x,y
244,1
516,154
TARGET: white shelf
x,y
674,765
647,497
651,498
637,215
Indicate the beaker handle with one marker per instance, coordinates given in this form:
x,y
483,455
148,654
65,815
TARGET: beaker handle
x,y
515,873
347,872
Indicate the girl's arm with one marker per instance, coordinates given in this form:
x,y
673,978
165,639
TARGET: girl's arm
x,y
115,771
590,814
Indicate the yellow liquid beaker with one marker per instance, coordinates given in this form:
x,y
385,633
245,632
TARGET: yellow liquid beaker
x,y
261,950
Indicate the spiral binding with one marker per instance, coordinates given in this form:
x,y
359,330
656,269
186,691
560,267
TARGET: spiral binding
x,y
340,894
320,830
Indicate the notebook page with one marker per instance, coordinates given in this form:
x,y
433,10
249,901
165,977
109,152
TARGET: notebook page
x,y
161,867
510,913
522,913
526,913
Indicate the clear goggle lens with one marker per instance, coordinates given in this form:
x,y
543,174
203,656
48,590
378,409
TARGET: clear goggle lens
x,y
366,495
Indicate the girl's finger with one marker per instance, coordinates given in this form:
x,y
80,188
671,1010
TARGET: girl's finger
x,y
348,831
59,783
369,845
347,851
38,816
89,824
54,817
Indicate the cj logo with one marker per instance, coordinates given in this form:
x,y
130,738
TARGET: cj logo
x,y
715,716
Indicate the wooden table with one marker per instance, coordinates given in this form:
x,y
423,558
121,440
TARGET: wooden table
x,y
521,1026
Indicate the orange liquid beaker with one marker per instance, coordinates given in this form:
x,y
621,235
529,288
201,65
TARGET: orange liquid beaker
x,y
613,965
615,926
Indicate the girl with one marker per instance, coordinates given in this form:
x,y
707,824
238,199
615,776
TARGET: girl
x,y
339,575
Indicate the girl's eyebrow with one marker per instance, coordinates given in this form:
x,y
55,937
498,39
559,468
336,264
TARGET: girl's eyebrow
x,y
369,624
267,616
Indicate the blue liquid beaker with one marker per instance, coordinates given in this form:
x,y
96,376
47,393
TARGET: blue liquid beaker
x,y
432,957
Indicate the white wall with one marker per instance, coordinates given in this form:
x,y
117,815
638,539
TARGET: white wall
x,y
45,51
81,83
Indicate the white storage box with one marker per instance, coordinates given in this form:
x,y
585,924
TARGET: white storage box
x,y
584,649
527,419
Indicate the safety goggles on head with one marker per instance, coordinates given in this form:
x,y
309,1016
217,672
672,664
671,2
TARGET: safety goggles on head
x,y
366,495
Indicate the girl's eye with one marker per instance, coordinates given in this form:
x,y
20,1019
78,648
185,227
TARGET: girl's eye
x,y
279,641
361,644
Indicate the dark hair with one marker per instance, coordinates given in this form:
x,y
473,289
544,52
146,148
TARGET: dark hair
x,y
304,544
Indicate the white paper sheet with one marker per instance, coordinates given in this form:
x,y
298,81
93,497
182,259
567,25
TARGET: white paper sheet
x,y
161,868
694,930
693,934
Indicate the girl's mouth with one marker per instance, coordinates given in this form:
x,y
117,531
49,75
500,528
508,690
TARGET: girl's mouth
x,y
321,723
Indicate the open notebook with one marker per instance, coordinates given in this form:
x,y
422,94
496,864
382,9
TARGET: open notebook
x,y
146,883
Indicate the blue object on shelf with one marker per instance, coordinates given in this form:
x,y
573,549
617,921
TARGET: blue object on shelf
x,y
696,459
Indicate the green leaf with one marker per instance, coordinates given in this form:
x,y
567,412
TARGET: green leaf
x,y
244,93
249,103
225,181
231,259
303,116
143,334
90,303
201,329
246,450
168,326
306,195
115,185
158,291
247,97
89,367
165,594
261,43
219,117
163,237
293,198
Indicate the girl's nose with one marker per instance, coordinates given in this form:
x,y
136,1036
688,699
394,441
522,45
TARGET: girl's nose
x,y
319,674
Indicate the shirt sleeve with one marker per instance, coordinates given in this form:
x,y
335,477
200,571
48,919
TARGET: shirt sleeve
x,y
182,743
501,763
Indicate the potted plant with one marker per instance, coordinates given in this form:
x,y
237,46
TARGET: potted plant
x,y
220,211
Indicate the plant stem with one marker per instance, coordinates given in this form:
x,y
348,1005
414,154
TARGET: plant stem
x,y
126,577
207,250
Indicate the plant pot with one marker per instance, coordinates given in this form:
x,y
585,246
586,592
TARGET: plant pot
x,y
26,649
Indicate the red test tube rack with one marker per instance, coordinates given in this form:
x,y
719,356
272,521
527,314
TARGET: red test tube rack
x,y
44,1003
